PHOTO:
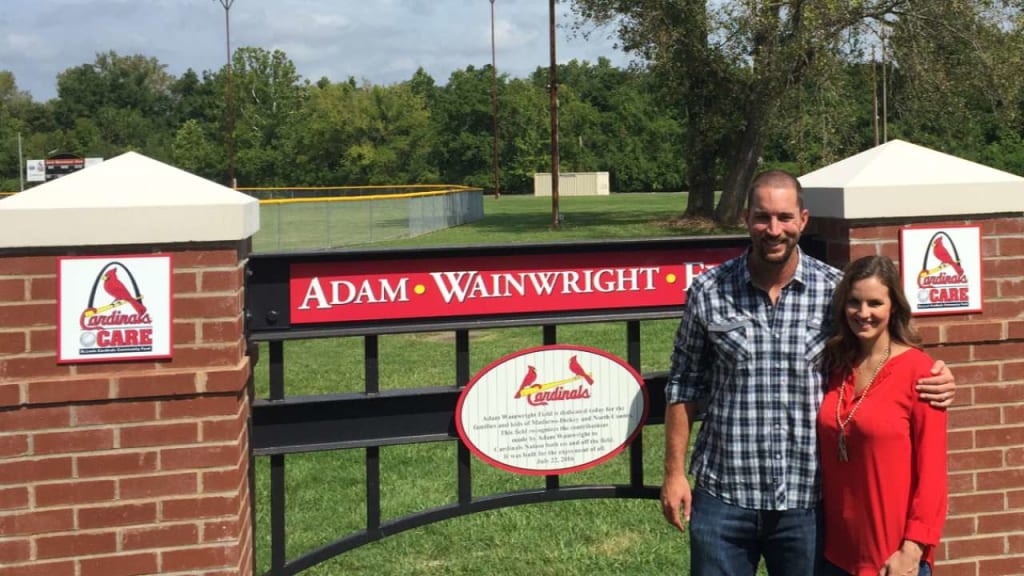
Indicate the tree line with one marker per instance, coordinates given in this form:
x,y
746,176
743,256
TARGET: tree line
x,y
720,90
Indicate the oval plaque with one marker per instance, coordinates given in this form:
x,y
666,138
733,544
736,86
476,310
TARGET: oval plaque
x,y
551,410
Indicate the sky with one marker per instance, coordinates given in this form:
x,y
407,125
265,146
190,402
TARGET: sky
x,y
382,41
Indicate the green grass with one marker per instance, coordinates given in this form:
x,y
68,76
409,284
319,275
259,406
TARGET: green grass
x,y
325,497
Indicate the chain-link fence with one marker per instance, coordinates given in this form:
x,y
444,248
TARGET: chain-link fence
x,y
316,218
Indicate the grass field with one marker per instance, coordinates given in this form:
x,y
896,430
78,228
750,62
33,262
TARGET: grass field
x,y
325,490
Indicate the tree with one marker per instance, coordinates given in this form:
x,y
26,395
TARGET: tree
x,y
736,64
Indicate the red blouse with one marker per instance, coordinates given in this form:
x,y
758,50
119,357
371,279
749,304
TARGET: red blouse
x,y
893,487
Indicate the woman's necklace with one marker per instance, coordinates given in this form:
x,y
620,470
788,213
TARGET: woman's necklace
x,y
843,456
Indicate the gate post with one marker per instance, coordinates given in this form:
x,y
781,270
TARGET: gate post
x,y
858,206
137,467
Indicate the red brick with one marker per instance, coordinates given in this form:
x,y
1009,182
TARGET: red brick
x,y
1002,309
1009,288
1013,413
207,356
13,551
10,396
962,526
228,380
199,407
206,258
221,330
1015,329
13,289
1015,499
18,315
115,413
223,480
44,288
1011,246
35,418
159,536
999,394
975,460
971,417
198,558
37,522
961,483
957,568
26,471
1015,457
85,492
1013,371
120,464
185,333
977,332
224,430
974,504
222,280
185,282
989,249
975,374
199,457
120,565
42,340
68,390
999,351
930,335
1013,566
12,343
71,545
202,306
13,445
986,546
1001,267
159,434
14,498
157,385
996,437
999,523
58,568
75,441
1001,479
29,265
959,439
221,530
1015,543
25,367
118,515
196,508
162,485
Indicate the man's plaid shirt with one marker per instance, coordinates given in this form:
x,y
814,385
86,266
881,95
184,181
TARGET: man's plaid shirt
x,y
756,370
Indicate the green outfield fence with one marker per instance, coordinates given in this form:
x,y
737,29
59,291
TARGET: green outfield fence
x,y
304,218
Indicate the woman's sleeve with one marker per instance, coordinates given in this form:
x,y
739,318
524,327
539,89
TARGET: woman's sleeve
x,y
929,489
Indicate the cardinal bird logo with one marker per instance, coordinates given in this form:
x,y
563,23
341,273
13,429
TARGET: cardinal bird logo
x,y
578,370
528,381
942,255
540,393
116,288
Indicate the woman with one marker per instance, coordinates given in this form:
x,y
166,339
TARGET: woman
x,y
882,449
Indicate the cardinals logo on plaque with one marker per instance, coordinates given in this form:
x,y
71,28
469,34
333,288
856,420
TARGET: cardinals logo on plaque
x,y
118,316
942,282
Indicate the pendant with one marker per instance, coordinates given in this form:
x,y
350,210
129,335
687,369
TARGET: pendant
x,y
843,457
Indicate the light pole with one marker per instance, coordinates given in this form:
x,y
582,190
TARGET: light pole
x,y
554,118
494,107
230,100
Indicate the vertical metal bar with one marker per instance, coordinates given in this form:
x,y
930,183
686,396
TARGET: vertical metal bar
x,y
636,449
461,379
278,533
550,337
371,366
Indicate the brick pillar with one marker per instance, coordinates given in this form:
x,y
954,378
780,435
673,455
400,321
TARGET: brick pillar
x,y
122,468
984,531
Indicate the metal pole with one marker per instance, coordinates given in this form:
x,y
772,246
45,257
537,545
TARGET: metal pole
x,y
494,106
21,165
554,118
230,97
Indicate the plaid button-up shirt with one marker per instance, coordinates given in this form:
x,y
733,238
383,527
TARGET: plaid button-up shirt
x,y
756,370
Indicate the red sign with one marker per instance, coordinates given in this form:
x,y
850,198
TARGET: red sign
x,y
443,287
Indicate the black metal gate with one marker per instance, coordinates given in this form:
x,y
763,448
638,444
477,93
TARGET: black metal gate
x,y
283,425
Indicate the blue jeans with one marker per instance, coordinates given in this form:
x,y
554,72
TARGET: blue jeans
x,y
833,570
727,540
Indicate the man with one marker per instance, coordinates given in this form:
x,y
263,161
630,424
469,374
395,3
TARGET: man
x,y
749,349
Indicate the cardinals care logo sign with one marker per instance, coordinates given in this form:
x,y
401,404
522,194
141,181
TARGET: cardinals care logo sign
x,y
552,410
941,269
113,308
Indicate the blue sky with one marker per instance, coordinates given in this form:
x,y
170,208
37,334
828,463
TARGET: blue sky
x,y
382,41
